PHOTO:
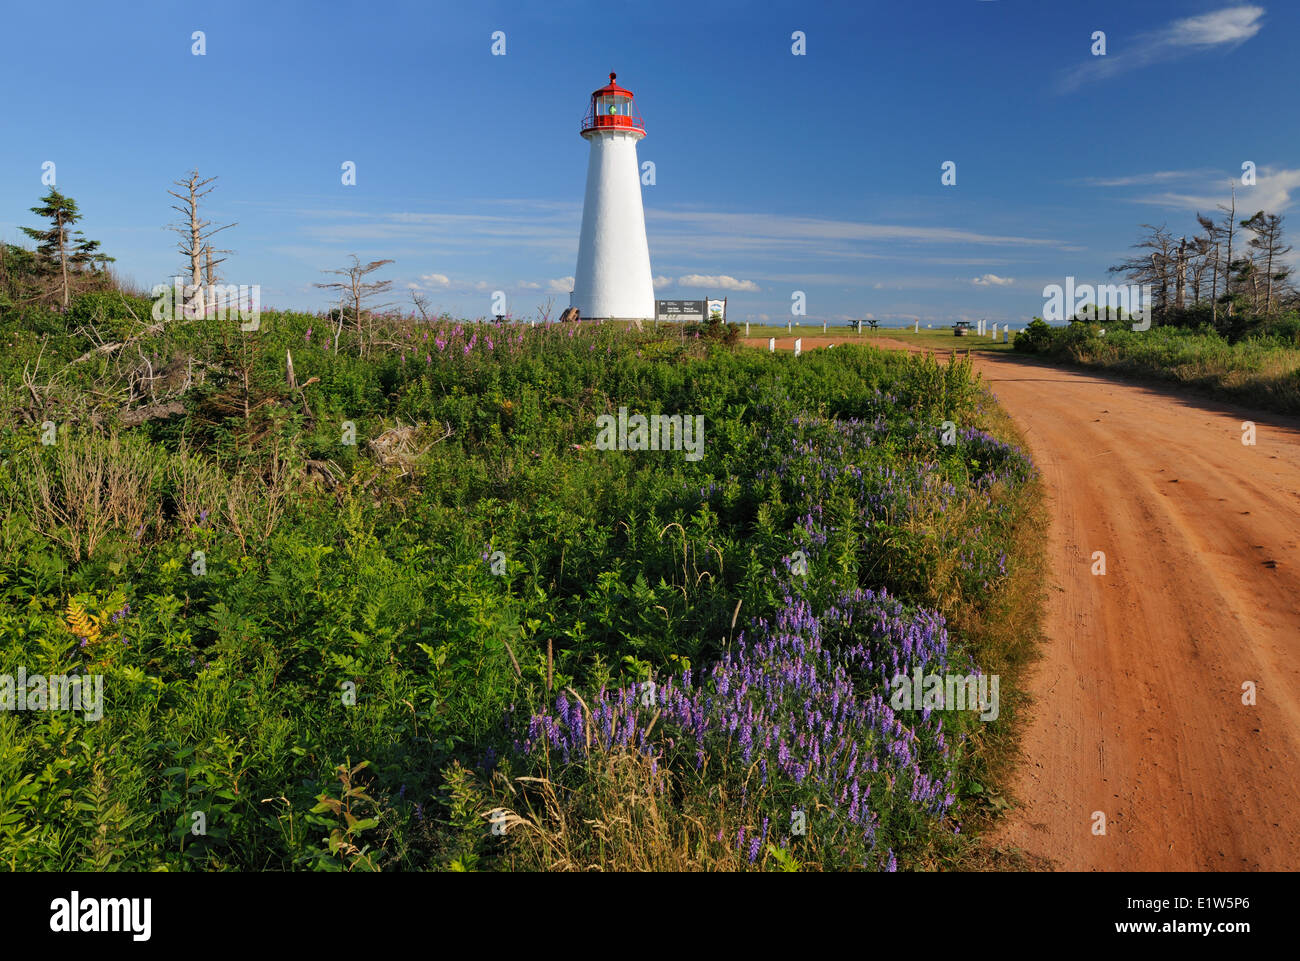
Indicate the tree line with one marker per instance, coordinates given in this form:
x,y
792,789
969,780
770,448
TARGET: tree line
x,y
1232,273
64,264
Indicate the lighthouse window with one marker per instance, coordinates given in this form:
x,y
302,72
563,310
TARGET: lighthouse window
x,y
614,106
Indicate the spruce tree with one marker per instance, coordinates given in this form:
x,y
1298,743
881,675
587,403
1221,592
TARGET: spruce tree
x,y
58,247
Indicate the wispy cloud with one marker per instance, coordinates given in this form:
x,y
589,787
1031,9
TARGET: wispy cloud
x,y
783,233
1147,179
1220,29
1205,188
992,280
1273,191
550,229
718,281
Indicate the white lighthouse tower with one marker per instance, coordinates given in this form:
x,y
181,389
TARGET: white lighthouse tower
x,y
612,279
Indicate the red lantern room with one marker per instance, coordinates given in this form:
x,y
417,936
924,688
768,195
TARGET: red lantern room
x,y
612,108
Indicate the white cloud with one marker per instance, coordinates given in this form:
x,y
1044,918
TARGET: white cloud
x,y
752,233
1139,180
1272,192
662,281
561,285
992,280
528,285
1204,189
1224,28
1229,25
436,280
719,281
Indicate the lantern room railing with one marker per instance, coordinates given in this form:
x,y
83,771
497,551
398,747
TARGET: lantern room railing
x,y
630,120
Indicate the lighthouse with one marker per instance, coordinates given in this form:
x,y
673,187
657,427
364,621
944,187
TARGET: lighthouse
x,y
612,279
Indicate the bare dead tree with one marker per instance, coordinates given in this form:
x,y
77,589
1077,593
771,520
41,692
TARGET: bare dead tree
x,y
195,232
1180,275
421,304
355,293
1198,263
210,273
1229,229
338,328
1156,265
212,278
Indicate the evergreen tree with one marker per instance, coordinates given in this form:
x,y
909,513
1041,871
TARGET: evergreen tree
x,y
58,247
52,243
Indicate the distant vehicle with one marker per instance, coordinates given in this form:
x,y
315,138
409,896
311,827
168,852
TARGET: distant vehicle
x,y
960,329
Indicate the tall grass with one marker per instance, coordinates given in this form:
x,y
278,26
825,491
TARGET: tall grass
x,y
1262,370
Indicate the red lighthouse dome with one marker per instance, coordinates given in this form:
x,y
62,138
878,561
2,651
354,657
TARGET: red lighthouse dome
x,y
612,108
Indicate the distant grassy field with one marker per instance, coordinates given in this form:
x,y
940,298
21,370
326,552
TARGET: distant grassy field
x,y
934,337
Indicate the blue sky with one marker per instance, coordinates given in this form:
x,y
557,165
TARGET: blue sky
x,y
774,172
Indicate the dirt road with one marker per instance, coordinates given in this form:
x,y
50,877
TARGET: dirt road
x,y
1139,711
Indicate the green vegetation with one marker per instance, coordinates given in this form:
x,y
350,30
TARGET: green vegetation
x,y
331,593
1260,368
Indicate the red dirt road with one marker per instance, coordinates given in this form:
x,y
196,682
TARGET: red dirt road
x,y
1138,707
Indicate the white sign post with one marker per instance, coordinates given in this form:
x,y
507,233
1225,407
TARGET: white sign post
x,y
771,345
798,347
